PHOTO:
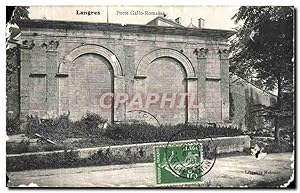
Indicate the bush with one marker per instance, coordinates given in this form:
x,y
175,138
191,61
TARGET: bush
x,y
16,148
102,157
89,134
56,129
262,132
91,121
143,132
56,160
88,125
87,128
61,128
274,147
271,146
25,147
13,126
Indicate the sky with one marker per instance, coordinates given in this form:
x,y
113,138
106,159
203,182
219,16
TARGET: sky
x,y
216,17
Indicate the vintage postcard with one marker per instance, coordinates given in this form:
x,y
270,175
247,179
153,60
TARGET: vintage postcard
x,y
150,96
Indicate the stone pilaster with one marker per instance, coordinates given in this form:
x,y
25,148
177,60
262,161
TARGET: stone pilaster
x,y
192,112
52,83
224,64
201,54
119,112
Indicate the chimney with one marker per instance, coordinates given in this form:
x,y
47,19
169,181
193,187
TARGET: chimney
x,y
201,23
178,20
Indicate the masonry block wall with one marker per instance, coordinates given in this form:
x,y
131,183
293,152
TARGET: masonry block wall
x,y
67,66
243,97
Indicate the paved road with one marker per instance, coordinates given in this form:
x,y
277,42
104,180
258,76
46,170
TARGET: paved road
x,y
274,170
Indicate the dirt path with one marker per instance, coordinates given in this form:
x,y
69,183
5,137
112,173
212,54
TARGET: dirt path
x,y
274,170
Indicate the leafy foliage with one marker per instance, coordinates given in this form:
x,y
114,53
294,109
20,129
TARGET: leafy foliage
x,y
13,61
263,46
263,52
87,132
13,126
25,147
89,123
10,66
56,160
62,127
143,132
20,13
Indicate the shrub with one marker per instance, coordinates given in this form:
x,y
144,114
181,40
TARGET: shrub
x,y
271,146
61,128
274,147
102,157
143,132
117,134
57,129
16,148
56,160
89,134
92,120
88,125
25,147
13,126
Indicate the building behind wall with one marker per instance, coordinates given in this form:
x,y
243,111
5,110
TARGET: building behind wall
x,y
244,96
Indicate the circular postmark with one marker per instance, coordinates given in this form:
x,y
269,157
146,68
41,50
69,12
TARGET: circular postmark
x,y
193,159
142,116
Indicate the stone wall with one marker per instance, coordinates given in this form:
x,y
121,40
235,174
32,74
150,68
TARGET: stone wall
x,y
66,66
132,153
243,97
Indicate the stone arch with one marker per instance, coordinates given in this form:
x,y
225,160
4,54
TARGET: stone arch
x,y
91,49
165,52
65,67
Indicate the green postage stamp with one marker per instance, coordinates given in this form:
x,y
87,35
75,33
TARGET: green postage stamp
x,y
178,164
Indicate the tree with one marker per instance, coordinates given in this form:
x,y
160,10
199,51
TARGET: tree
x,y
13,65
20,13
263,51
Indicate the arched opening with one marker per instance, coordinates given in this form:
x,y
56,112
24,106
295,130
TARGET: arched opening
x,y
90,76
84,75
166,77
169,72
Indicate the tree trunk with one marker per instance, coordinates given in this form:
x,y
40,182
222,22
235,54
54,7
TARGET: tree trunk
x,y
277,130
277,117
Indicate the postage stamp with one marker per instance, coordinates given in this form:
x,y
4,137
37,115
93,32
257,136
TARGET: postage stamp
x,y
180,163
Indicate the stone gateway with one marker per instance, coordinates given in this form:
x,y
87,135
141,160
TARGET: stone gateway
x,y
67,66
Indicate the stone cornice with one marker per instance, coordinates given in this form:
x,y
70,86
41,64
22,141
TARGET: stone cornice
x,y
129,28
